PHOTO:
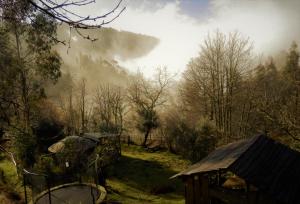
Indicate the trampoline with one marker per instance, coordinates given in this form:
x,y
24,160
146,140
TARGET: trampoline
x,y
73,193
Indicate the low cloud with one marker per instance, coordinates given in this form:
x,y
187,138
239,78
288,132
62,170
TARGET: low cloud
x,y
270,24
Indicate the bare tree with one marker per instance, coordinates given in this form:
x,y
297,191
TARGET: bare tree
x,y
146,96
66,105
214,77
82,105
110,108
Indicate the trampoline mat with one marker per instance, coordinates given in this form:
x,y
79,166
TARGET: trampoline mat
x,y
77,194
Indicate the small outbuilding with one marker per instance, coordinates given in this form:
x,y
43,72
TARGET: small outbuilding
x,y
258,170
75,144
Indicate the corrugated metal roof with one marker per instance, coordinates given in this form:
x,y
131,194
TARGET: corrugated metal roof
x,y
79,144
269,165
272,167
221,158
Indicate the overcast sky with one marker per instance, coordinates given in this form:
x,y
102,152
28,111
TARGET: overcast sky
x,y
182,25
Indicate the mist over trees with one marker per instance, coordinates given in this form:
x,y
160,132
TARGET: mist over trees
x,y
29,63
61,75
212,80
48,91
223,86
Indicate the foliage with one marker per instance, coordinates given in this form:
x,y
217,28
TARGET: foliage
x,y
273,107
7,79
149,120
27,62
146,96
106,154
10,184
77,162
24,145
9,173
47,125
193,142
242,99
47,166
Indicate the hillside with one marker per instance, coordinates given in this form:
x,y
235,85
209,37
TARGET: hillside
x,y
97,61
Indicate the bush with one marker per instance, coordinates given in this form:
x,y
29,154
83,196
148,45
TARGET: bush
x,y
47,131
48,125
25,146
109,127
206,139
77,161
193,142
48,166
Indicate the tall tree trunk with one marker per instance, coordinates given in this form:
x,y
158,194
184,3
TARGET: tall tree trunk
x,y
24,84
146,137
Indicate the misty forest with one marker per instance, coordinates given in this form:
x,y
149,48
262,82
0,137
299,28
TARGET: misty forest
x,y
96,110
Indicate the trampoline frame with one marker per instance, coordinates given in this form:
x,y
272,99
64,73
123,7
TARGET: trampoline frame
x,y
101,189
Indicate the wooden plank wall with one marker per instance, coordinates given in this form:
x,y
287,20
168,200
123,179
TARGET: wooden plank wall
x,y
197,191
189,190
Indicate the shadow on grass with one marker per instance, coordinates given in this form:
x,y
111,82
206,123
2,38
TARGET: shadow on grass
x,y
126,196
148,176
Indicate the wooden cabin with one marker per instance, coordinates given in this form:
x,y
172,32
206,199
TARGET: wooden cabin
x,y
259,170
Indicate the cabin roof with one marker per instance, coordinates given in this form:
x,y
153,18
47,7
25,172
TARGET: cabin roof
x,y
221,158
79,144
269,165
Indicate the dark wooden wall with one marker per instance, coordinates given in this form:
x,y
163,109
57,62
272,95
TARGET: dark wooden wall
x,y
198,191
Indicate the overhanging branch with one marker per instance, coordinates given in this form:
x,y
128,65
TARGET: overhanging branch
x,y
61,12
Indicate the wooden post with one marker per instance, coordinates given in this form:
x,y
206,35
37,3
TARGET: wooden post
x,y
49,191
247,192
197,189
24,184
92,195
205,189
189,190
185,193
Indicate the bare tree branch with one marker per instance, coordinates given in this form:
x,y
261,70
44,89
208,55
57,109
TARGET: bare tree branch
x,y
60,13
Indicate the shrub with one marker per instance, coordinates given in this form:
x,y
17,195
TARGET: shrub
x,y
47,131
193,142
48,166
48,125
24,145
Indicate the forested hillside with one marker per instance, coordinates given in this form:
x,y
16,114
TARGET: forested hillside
x,y
61,77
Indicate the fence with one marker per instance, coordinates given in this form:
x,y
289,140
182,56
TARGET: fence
x,y
155,139
76,186
82,184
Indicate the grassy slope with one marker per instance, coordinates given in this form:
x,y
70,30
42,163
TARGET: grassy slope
x,y
139,174
10,186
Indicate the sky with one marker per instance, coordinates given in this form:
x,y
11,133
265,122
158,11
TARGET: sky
x,y
182,25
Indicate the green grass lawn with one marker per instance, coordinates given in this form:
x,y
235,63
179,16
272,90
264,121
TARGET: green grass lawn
x,y
143,177
9,170
138,177
10,186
